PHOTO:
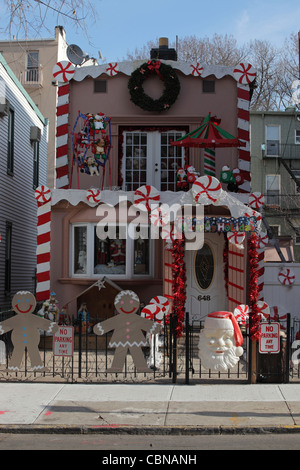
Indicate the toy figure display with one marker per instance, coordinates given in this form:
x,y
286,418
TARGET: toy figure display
x,y
53,310
25,331
83,315
220,341
128,332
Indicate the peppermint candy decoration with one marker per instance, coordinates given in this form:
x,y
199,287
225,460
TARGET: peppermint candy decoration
x,y
144,195
253,213
63,71
262,240
263,309
236,238
93,195
244,74
196,69
42,194
241,314
160,216
256,200
112,69
206,190
286,277
162,301
157,309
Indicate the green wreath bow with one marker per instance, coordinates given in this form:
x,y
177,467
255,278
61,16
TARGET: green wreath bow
x,y
171,82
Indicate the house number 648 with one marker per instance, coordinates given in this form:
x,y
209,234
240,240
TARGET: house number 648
x,y
203,297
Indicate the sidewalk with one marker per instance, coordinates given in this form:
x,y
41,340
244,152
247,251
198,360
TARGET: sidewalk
x,y
149,408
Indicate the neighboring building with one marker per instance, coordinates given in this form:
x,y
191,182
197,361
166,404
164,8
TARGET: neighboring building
x,y
141,154
32,61
23,156
275,172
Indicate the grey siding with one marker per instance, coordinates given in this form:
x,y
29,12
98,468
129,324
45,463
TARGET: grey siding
x,y
17,201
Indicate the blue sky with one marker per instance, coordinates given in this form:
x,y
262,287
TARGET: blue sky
x,y
122,25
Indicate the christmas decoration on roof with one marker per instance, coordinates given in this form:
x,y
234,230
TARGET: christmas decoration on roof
x,y
208,135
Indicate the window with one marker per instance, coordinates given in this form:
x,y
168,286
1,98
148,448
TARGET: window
x,y
297,136
297,235
204,266
272,189
32,72
95,257
8,251
208,86
273,140
10,141
149,158
275,230
36,158
100,86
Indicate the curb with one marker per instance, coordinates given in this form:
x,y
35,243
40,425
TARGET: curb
x,y
147,430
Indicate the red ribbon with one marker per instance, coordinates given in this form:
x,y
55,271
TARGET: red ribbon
x,y
154,66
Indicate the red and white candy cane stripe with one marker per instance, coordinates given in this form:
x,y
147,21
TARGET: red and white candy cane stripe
x,y
241,313
286,276
244,74
256,200
236,238
93,195
206,189
43,198
144,196
236,276
63,72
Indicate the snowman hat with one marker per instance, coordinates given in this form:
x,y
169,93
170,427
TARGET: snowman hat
x,y
225,321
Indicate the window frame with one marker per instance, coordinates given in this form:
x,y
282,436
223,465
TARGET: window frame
x,y
266,139
272,195
297,142
90,243
10,141
36,164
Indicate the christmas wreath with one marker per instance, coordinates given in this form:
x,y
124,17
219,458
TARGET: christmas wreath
x,y
171,82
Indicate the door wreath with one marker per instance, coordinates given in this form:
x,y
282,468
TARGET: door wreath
x,y
171,82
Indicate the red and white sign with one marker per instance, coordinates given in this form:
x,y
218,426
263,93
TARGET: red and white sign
x,y
269,341
63,341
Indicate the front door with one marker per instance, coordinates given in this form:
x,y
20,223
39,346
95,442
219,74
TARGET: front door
x,y
205,278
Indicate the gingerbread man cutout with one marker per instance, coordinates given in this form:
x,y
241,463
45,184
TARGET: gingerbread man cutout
x,y
128,332
25,334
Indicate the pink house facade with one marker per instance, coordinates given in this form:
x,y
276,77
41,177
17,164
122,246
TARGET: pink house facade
x,y
101,115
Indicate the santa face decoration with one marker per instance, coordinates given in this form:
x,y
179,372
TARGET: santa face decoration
x,y
220,342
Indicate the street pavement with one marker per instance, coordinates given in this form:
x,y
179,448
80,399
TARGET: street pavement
x,y
149,408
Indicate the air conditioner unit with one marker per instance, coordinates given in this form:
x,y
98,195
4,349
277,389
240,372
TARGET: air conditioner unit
x,y
4,107
35,134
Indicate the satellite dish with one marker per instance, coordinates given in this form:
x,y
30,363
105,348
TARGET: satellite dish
x,y
76,55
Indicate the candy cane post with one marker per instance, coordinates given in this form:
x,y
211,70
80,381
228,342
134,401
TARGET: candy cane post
x,y
209,162
244,74
206,190
145,196
62,72
43,198
256,202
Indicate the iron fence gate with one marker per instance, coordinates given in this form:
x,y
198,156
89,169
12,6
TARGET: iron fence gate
x,y
171,359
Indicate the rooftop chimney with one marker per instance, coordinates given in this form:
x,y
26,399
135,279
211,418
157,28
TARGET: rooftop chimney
x,y
163,51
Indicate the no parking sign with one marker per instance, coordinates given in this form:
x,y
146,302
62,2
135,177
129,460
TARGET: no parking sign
x,y
269,341
63,341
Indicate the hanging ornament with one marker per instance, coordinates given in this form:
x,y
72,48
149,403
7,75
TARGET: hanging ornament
x,y
144,196
286,276
206,190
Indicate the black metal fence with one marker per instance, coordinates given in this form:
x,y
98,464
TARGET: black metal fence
x,y
170,359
